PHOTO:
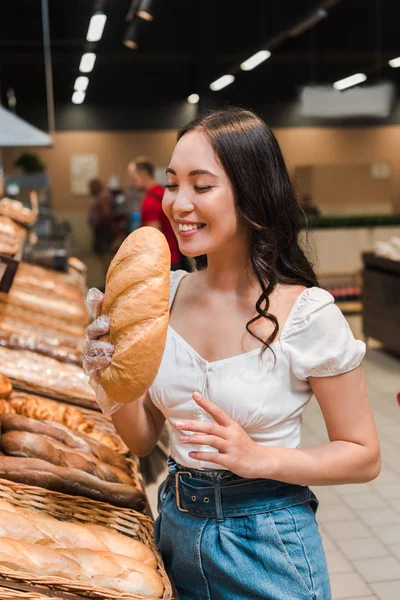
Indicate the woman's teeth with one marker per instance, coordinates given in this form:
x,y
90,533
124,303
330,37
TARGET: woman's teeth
x,y
190,227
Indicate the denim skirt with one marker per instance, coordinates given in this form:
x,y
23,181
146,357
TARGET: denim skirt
x,y
223,537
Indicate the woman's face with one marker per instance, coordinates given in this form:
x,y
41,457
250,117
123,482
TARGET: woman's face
x,y
199,199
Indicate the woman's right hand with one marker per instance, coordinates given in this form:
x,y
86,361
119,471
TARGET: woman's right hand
x,y
96,353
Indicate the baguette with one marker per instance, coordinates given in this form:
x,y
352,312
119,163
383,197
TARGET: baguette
x,y
137,302
65,436
38,528
33,445
34,471
102,569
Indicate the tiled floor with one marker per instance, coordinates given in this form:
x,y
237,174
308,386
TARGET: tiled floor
x,y
360,524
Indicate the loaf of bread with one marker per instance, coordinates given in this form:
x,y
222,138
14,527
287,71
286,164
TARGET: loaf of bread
x,y
55,346
102,569
37,319
79,420
10,422
40,373
46,304
33,445
137,303
39,528
33,471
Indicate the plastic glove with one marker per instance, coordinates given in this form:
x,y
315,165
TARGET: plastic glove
x,y
98,354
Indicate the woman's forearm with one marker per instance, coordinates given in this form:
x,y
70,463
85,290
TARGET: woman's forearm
x,y
139,425
334,463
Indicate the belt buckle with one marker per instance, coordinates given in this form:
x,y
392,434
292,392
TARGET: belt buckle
x,y
177,497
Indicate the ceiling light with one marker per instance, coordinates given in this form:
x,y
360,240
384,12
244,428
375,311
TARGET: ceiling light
x,y
132,34
78,97
81,84
308,22
193,98
145,10
255,60
347,82
96,27
87,62
395,62
222,82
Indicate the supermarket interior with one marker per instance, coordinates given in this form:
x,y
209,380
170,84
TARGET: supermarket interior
x,y
92,95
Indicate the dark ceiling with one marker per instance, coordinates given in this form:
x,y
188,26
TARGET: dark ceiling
x,y
188,45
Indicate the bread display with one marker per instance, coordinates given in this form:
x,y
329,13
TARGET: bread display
x,y
38,373
137,303
5,387
45,304
34,528
41,281
15,210
10,422
80,420
34,471
102,569
37,319
39,528
54,347
33,445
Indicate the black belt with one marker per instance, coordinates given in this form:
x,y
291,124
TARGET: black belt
x,y
216,499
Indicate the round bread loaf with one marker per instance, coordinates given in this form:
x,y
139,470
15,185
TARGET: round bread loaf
x,y
137,302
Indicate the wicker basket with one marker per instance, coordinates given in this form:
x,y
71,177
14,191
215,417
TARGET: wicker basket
x,y
24,593
80,510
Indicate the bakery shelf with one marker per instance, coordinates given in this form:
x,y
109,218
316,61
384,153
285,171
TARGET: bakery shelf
x,y
80,510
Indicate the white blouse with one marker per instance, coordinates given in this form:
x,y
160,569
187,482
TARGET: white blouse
x,y
266,399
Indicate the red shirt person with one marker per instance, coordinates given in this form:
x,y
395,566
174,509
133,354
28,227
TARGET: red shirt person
x,y
141,172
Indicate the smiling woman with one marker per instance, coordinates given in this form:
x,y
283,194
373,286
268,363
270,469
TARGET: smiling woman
x,y
251,338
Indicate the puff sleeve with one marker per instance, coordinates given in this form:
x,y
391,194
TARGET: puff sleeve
x,y
317,338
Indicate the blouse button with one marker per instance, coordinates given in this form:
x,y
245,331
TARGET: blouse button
x,y
194,498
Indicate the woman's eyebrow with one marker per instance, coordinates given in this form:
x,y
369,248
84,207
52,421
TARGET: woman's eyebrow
x,y
201,172
192,173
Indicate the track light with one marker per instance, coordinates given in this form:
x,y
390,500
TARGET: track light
x,y
193,98
133,34
81,84
309,22
347,82
255,60
145,10
78,97
87,62
222,82
96,27
395,62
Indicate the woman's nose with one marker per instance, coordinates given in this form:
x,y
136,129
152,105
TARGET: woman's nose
x,y
182,203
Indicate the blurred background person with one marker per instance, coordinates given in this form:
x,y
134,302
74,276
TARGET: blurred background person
x,y
141,173
101,222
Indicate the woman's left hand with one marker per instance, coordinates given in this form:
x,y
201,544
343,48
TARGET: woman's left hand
x,y
236,450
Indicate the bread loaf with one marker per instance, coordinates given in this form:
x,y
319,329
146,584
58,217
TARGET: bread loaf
x,y
10,422
33,471
32,445
35,527
137,303
102,569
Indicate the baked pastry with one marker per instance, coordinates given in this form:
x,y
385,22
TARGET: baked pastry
x,y
137,303
5,386
102,569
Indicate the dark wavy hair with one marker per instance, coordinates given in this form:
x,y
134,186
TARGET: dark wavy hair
x,y
251,157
